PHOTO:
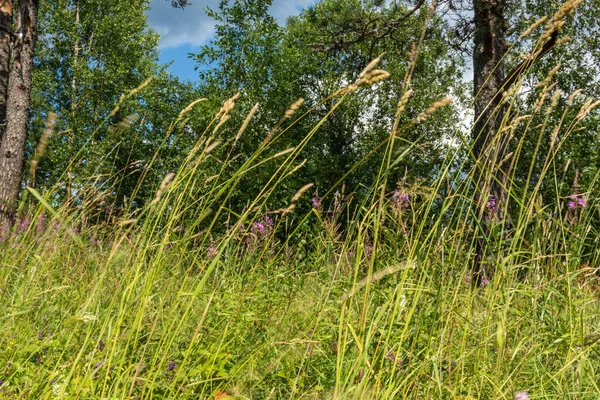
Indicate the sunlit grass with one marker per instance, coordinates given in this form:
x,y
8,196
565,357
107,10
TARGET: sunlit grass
x,y
187,298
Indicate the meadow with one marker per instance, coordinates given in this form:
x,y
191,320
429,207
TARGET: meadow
x,y
330,297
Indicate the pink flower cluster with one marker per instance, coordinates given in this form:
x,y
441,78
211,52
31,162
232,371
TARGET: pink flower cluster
x,y
576,201
400,200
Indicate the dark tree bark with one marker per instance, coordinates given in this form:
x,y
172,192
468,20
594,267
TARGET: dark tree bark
x,y
489,149
490,146
12,147
6,17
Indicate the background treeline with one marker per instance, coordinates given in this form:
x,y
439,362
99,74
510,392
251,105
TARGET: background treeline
x,y
91,52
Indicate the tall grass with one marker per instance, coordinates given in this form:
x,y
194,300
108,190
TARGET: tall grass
x,y
187,298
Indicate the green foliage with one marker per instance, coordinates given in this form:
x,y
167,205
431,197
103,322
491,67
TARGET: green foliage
x,y
274,66
90,54
167,302
225,279
574,152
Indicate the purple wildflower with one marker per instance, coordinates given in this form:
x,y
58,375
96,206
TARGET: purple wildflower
x,y
171,366
316,202
576,201
350,253
369,250
491,205
211,252
40,335
257,227
268,221
99,364
23,225
41,224
485,282
400,200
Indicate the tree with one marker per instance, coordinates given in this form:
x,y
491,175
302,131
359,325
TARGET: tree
x,y
17,46
275,65
491,81
17,102
5,40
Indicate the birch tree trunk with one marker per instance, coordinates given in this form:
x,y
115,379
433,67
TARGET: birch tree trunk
x,y
6,17
12,147
489,148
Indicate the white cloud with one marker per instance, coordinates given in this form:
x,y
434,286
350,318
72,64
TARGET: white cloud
x,y
192,26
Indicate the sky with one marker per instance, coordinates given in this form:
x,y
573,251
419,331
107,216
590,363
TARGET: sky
x,y
183,31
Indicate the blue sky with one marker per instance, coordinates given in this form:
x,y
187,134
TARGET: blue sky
x,y
182,31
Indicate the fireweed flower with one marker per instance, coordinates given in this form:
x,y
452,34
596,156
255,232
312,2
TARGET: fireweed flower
x,y
23,225
491,205
316,202
400,200
257,227
576,201
268,221
41,223
485,281
171,366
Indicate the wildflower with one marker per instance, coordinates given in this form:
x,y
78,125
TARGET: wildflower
x,y
576,201
41,224
369,250
268,221
491,205
257,227
171,366
23,225
350,254
40,335
211,252
316,202
9,364
400,200
521,396
485,282
99,364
